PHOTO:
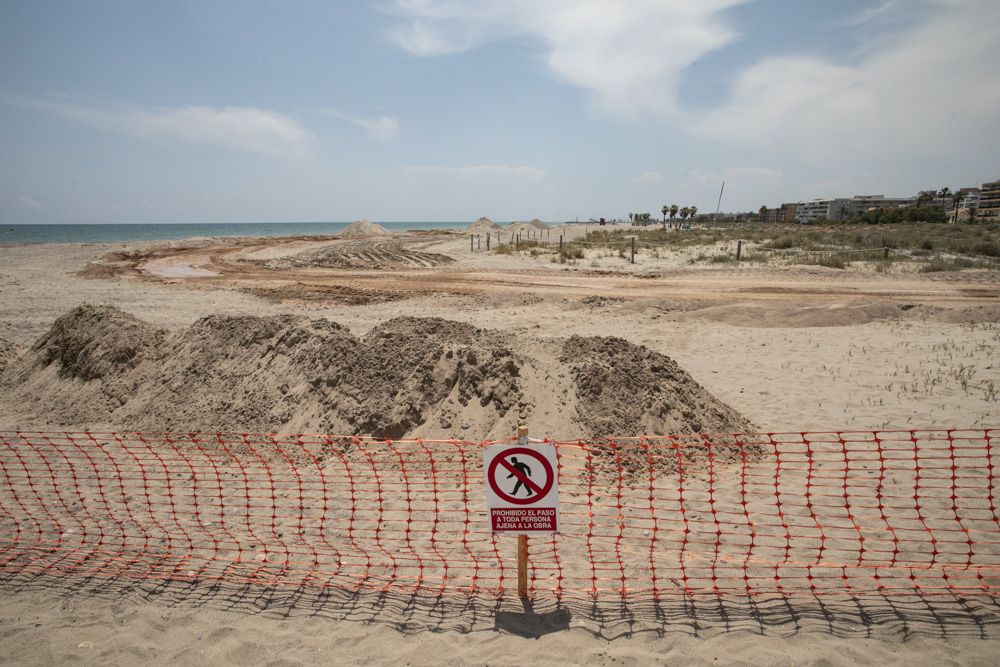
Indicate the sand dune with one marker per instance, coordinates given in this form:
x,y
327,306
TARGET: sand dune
x,y
408,376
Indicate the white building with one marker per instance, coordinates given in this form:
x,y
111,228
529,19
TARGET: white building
x,y
843,208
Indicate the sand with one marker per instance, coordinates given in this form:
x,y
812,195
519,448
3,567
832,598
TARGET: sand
x,y
363,229
482,226
408,377
790,349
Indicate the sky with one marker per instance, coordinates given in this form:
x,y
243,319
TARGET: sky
x,y
446,110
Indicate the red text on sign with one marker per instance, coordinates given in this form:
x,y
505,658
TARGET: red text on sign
x,y
523,518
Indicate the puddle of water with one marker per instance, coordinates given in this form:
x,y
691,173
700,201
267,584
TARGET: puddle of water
x,y
179,271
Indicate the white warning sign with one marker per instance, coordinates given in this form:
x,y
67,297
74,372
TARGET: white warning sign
x,y
522,491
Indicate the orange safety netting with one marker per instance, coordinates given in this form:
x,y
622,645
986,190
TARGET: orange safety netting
x,y
882,512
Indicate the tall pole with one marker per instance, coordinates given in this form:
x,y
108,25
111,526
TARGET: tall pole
x,y
718,206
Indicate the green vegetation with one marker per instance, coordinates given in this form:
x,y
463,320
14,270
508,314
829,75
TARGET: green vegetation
x,y
937,247
534,247
894,216
911,246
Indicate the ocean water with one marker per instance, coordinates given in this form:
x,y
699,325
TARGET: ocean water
x,y
124,233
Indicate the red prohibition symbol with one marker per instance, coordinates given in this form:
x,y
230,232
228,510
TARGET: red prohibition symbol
x,y
540,491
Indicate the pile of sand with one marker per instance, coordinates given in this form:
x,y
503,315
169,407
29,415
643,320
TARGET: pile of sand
x,y
522,228
281,373
482,226
629,389
93,342
538,224
8,353
374,253
426,377
362,229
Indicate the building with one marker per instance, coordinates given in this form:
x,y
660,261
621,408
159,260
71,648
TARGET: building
x,y
963,203
969,198
787,212
836,210
784,213
768,214
989,200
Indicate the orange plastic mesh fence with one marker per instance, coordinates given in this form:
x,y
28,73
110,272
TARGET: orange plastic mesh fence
x,y
881,512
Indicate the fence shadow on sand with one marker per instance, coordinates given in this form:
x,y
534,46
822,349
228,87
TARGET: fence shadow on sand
x,y
857,616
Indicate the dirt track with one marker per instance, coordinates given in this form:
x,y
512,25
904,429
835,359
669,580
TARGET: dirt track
x,y
395,268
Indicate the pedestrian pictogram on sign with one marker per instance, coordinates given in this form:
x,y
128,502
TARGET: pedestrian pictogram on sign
x,y
521,493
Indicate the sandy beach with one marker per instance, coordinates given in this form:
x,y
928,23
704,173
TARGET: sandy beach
x,y
748,347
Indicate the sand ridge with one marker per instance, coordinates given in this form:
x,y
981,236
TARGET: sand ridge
x,y
407,376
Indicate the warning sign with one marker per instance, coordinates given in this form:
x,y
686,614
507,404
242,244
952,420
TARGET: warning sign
x,y
522,495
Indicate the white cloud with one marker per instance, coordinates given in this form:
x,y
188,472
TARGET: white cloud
x,y
529,173
871,13
918,100
379,127
28,202
240,128
648,179
629,53
930,93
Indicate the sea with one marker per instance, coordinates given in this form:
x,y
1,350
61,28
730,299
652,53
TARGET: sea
x,y
100,233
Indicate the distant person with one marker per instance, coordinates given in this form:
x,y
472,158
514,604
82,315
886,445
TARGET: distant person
x,y
524,469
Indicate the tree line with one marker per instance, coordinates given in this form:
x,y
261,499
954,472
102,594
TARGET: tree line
x,y
671,210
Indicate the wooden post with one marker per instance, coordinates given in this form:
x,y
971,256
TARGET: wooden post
x,y
488,237
479,242
739,250
560,242
472,240
522,540
886,249
633,250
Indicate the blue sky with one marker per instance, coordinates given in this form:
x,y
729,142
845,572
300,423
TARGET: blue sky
x,y
451,109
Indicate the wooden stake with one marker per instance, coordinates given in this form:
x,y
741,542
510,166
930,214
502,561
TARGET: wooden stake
x,y
739,250
633,250
522,540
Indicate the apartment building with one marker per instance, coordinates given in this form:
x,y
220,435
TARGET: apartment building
x,y
844,208
989,200
969,197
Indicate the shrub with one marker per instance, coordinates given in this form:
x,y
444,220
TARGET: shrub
x,y
829,261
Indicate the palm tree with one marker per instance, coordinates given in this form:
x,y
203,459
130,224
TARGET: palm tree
x,y
664,211
956,199
944,194
684,213
692,212
673,211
